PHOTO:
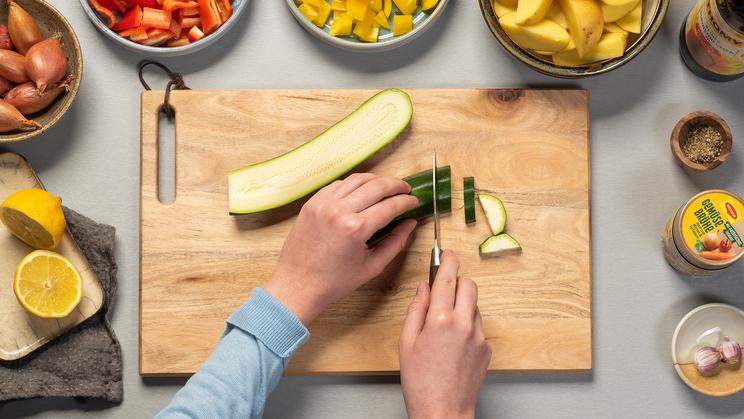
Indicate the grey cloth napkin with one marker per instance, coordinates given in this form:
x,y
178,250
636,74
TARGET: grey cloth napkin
x,y
86,361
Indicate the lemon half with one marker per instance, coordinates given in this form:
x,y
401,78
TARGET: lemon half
x,y
47,284
35,216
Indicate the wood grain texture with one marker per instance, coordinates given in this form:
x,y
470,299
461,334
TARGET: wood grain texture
x,y
22,332
530,147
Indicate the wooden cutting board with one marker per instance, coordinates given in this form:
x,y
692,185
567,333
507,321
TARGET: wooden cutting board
x,y
22,332
530,147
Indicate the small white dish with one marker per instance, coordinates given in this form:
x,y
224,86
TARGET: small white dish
x,y
386,41
695,330
238,7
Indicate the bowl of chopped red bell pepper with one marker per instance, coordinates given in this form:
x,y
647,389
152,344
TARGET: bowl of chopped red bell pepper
x,y
164,27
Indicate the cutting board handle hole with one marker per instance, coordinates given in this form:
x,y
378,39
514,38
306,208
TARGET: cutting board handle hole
x,y
166,159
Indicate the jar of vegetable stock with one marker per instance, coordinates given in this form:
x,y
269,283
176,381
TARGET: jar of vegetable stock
x,y
702,237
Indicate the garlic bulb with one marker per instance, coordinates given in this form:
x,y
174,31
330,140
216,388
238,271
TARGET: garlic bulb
x,y
707,360
730,351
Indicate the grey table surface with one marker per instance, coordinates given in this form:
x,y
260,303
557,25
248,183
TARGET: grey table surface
x,y
91,159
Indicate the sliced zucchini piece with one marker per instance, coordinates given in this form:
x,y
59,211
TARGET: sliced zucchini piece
x,y
421,187
495,212
502,243
291,176
468,187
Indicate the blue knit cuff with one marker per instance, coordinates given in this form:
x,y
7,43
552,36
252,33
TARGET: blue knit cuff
x,y
264,317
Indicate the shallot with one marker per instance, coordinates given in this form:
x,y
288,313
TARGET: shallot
x,y
11,119
13,66
5,86
27,99
46,63
5,42
24,32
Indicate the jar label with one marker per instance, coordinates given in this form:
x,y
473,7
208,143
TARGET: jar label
x,y
709,226
712,42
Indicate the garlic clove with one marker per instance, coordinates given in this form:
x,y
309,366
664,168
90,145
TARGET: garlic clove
x,y
707,360
730,351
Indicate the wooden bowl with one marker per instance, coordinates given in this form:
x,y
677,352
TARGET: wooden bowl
x,y
654,12
729,379
51,22
689,122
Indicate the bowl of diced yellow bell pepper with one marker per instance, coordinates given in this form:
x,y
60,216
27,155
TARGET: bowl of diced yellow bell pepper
x,y
574,38
367,25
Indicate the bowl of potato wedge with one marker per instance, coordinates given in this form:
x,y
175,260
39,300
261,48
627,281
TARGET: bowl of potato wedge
x,y
366,25
574,38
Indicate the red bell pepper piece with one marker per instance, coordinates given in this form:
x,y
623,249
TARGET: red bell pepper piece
x,y
190,12
104,12
179,42
143,3
113,5
189,22
171,5
195,34
157,37
156,18
210,16
175,28
225,9
132,19
135,34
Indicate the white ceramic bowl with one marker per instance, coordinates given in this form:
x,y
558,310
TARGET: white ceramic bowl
x,y
386,42
238,7
706,318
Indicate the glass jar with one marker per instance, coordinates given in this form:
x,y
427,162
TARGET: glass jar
x,y
712,39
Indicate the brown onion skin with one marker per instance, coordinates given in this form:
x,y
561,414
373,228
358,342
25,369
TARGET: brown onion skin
x,y
46,63
13,66
27,99
12,120
24,32
5,42
5,86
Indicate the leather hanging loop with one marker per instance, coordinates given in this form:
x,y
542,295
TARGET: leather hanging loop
x,y
176,83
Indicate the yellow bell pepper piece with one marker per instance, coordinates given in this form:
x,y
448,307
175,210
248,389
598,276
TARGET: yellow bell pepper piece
x,y
308,11
323,12
375,5
314,3
382,20
339,13
428,4
387,7
341,26
357,8
407,7
339,5
402,24
367,33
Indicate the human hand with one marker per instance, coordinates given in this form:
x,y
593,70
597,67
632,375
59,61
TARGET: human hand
x,y
443,350
325,256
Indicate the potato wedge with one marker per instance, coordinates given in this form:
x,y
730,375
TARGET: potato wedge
x,y
611,45
614,13
632,21
585,23
545,35
556,15
501,10
530,12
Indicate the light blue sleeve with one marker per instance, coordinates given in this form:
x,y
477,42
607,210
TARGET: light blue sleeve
x,y
258,342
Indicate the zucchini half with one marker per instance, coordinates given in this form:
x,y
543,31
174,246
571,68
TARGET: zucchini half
x,y
318,162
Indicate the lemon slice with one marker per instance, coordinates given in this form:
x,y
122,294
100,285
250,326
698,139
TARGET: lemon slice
x,y
47,284
35,216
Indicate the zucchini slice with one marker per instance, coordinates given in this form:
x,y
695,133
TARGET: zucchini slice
x,y
468,187
318,162
495,212
421,187
496,245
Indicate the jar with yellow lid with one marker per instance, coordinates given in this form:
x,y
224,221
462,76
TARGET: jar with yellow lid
x,y
705,234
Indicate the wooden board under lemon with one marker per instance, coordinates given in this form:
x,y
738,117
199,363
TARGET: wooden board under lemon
x,y
20,331
364,19
571,33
